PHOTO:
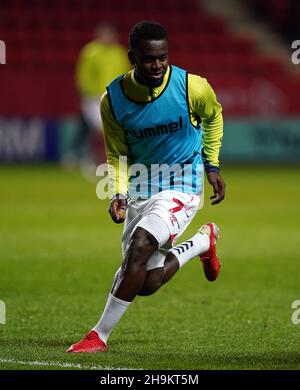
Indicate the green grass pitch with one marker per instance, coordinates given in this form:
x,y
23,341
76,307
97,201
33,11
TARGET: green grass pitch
x,y
59,251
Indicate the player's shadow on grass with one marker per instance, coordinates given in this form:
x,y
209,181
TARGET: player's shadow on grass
x,y
38,343
230,360
253,360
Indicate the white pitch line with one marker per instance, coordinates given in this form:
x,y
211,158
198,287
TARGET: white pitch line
x,y
61,365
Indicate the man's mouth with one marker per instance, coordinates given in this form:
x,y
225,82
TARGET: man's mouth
x,y
157,75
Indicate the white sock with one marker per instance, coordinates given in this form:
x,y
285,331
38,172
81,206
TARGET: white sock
x,y
113,311
196,246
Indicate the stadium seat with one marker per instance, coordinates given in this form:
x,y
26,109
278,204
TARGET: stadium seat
x,y
49,38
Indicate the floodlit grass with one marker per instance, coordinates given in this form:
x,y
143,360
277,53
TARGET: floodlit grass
x,y
59,251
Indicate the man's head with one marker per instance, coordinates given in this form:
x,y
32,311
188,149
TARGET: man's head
x,y
148,52
106,33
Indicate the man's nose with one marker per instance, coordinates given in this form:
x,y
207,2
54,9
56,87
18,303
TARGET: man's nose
x,y
156,64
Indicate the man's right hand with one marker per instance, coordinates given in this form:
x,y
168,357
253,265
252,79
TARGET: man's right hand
x,y
117,210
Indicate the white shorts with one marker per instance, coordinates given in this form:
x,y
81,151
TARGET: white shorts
x,y
90,108
165,215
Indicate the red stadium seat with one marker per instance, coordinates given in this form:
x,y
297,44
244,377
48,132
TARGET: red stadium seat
x,y
46,40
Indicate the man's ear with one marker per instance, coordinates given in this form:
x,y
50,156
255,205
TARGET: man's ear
x,y
131,57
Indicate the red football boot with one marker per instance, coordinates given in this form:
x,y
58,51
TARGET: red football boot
x,y
90,343
210,261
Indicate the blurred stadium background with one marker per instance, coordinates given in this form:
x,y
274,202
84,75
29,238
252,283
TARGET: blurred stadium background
x,y
242,47
55,234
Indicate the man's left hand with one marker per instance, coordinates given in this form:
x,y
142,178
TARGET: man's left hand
x,y
218,185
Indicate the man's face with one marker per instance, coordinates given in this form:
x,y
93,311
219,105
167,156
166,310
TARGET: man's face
x,y
150,62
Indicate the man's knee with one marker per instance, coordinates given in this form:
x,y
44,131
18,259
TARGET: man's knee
x,y
149,289
152,282
141,247
143,241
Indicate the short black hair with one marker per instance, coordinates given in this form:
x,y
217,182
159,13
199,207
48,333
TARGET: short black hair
x,y
146,31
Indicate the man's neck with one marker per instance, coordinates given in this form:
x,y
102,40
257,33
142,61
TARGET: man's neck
x,y
144,83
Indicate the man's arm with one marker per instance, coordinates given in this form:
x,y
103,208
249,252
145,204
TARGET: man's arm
x,y
116,146
203,103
